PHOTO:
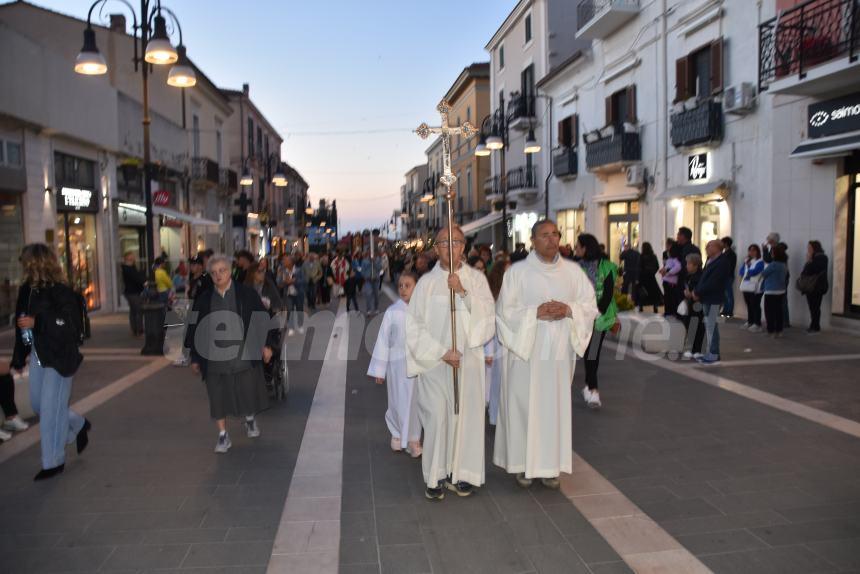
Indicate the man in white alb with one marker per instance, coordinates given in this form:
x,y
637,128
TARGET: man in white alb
x,y
453,452
545,314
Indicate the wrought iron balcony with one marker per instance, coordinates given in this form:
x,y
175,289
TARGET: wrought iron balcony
x,y
522,183
599,18
493,189
806,36
204,169
565,163
700,125
228,179
613,152
521,111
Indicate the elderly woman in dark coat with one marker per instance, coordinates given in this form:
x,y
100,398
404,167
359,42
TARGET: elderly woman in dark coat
x,y
230,336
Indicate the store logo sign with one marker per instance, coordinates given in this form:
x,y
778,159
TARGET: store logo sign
x,y
698,167
74,199
835,116
161,197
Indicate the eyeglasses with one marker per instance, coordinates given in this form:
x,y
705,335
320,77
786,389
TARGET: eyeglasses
x,y
456,242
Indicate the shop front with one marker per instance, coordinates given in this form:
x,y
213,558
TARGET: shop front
x,y
77,209
571,224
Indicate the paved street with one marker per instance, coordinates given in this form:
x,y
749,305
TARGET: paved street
x,y
673,475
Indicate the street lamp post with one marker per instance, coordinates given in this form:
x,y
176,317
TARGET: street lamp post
x,y
155,49
494,137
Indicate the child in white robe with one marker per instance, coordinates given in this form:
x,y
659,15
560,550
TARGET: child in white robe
x,y
388,365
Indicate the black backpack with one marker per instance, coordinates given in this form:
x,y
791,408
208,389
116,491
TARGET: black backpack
x,y
85,331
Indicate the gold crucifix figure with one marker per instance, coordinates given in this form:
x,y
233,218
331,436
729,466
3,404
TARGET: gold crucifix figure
x,y
448,179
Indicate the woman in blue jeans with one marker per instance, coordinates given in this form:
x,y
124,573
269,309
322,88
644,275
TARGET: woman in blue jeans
x,y
47,330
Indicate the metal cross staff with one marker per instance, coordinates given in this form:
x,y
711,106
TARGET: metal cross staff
x,y
448,179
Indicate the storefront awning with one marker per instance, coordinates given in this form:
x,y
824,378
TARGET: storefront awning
x,y
630,195
184,217
481,223
720,187
833,146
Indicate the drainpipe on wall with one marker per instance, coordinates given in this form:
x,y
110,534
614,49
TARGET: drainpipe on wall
x,y
549,156
664,110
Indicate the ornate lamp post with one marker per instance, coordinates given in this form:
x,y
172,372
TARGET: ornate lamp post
x,y
151,47
494,137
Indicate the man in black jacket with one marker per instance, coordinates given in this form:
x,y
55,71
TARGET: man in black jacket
x,y
133,281
710,292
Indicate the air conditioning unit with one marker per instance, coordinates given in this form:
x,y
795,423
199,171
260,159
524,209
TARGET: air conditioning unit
x,y
739,99
636,175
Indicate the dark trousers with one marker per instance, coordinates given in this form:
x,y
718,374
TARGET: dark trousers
x,y
695,325
671,298
753,301
729,298
814,302
592,358
325,292
7,395
351,298
135,313
773,312
312,294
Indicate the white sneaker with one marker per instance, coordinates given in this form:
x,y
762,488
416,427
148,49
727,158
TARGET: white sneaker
x,y
301,330
688,355
697,356
15,424
223,444
4,436
586,395
291,332
595,403
746,326
755,329
252,428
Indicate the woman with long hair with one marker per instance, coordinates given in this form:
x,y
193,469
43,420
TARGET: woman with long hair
x,y
48,328
602,273
649,291
813,283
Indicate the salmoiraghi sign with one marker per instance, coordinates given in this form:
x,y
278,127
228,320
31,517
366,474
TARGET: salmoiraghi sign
x,y
834,116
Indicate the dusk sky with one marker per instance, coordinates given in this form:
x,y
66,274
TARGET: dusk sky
x,y
343,81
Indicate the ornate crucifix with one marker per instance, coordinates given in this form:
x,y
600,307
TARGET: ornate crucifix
x,y
448,179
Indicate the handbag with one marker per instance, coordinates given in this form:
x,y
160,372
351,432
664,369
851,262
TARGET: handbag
x,y
808,284
683,308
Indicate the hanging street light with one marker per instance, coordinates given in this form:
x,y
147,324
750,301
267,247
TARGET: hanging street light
x,y
90,61
159,50
532,146
246,179
182,75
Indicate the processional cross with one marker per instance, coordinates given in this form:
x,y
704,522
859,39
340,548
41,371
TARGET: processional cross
x,y
448,179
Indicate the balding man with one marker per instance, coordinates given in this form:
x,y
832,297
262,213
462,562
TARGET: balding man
x,y
545,317
453,453
710,292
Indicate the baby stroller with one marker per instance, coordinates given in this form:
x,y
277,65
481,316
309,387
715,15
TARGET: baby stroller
x,y
277,371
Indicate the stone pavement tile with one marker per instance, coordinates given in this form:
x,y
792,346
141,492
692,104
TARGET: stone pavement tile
x,y
721,542
257,476
556,559
666,562
235,517
88,558
151,556
109,538
691,490
569,520
250,533
390,533
358,569
454,512
213,570
404,559
842,553
720,523
303,537
357,497
514,506
677,509
592,547
262,498
47,524
13,541
585,483
767,500
185,536
605,505
315,486
783,560
228,554
831,529
485,548
311,509
81,505
650,494
354,525
311,563
611,568
758,483
359,551
398,512
820,512
634,535
534,530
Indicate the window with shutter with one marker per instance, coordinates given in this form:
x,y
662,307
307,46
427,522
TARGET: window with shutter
x,y
610,118
681,80
630,116
717,66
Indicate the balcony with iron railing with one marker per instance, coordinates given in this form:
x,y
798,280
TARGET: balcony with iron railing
x,y
228,180
521,111
702,124
611,153
811,49
204,170
565,163
493,189
597,19
522,183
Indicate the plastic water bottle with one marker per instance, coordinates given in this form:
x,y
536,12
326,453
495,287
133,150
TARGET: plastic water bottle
x,y
26,334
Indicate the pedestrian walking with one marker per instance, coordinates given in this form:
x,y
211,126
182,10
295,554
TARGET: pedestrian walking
x,y
350,288
694,318
198,280
453,443
773,285
48,331
729,303
242,261
229,341
710,292
813,283
750,273
290,277
340,271
327,281
534,432
388,366
313,274
602,273
648,290
672,281
258,279
133,284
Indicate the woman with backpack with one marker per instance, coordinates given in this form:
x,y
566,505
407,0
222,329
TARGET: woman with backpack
x,y
49,328
813,283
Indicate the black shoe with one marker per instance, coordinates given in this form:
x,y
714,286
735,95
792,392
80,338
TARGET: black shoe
x,y
437,493
47,473
461,488
83,438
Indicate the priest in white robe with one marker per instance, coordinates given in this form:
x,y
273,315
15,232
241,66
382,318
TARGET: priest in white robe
x,y
453,451
545,314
